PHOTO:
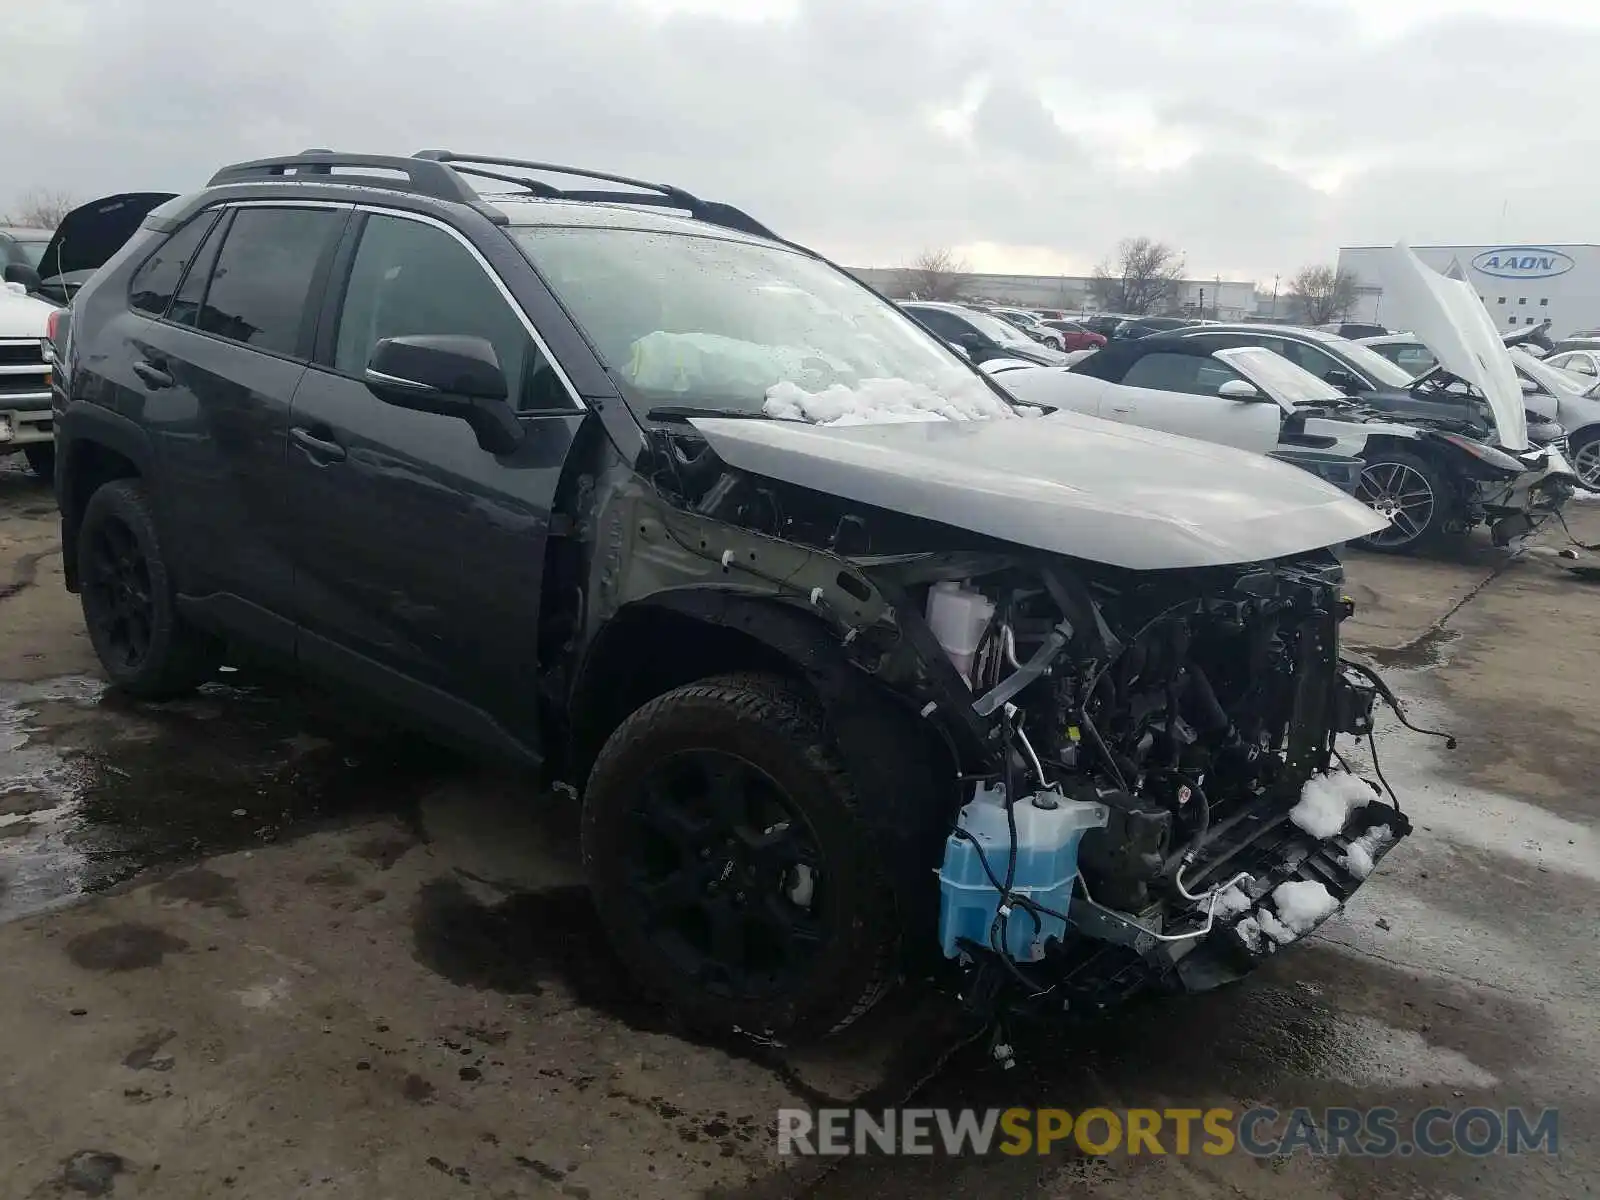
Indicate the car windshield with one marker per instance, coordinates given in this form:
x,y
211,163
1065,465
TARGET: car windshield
x,y
709,322
1366,360
32,249
995,329
1280,378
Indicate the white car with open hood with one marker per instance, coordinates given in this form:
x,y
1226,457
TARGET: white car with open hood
x,y
1448,453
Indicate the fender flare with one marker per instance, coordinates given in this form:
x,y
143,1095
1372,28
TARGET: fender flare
x,y
903,771
79,423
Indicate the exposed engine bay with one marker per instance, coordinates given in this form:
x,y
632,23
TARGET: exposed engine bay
x,y
1130,743
1192,723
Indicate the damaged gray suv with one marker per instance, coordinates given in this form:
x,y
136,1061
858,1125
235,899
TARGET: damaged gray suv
x,y
858,666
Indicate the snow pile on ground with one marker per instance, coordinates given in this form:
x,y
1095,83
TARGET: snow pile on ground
x,y
1303,905
1358,860
1233,900
1327,802
886,401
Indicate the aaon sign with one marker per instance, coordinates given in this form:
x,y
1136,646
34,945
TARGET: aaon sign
x,y
1522,262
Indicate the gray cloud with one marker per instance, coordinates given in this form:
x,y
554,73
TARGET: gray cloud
x,y
822,123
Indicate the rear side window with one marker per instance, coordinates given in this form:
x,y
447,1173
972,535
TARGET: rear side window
x,y
260,288
155,282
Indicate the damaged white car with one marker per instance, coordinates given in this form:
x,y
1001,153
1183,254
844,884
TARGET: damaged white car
x,y
1448,452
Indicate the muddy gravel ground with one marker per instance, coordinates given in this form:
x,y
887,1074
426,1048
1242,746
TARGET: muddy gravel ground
x,y
257,945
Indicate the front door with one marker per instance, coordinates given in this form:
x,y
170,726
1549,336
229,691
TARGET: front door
x,y
419,556
1177,393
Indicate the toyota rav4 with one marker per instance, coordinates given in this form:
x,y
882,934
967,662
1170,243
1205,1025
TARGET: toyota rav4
x,y
854,665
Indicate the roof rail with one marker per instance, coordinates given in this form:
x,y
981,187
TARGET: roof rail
x,y
419,175
441,175
665,195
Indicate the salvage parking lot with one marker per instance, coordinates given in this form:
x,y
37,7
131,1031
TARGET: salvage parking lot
x,y
256,945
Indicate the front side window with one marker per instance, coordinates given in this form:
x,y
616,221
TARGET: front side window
x,y
1196,374
410,278
716,322
154,283
260,289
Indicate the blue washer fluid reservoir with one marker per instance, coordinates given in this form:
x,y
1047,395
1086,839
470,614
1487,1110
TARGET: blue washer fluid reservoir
x,y
1049,828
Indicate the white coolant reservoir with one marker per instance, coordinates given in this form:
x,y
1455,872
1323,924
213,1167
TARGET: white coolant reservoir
x,y
958,615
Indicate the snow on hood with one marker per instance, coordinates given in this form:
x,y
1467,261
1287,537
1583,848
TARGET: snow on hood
x,y
1450,320
887,401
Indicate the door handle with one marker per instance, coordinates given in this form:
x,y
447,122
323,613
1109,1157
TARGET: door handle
x,y
1122,408
154,375
320,449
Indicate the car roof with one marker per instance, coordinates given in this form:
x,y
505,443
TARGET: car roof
x,y
1311,335
529,212
944,304
25,233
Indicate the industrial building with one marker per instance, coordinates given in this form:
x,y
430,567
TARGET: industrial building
x,y
1221,299
1520,285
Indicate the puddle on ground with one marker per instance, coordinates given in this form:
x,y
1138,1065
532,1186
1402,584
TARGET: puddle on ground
x,y
1420,653
95,788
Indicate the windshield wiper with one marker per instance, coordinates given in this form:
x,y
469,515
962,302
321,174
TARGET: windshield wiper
x,y
683,412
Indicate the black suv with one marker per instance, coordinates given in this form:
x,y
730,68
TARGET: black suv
x,y
515,467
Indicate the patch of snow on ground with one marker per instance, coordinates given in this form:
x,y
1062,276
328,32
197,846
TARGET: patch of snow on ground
x,y
1358,859
885,401
1302,905
1327,802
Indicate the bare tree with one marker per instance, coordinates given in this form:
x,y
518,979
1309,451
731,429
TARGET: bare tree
x,y
1144,275
1323,294
41,208
937,274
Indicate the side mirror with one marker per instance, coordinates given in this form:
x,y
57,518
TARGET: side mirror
x,y
1241,390
1530,388
960,349
448,374
25,275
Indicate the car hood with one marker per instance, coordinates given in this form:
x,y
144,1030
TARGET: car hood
x,y
1063,483
91,233
1447,317
23,316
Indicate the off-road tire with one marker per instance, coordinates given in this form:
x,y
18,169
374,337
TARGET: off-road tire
x,y
179,657
41,458
774,725
1444,502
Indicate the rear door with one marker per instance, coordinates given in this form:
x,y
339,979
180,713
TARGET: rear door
x,y
219,364
1177,393
418,555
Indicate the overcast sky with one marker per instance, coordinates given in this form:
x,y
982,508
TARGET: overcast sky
x,y
1257,135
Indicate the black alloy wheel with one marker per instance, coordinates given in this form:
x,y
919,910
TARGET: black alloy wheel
x,y
729,873
117,586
